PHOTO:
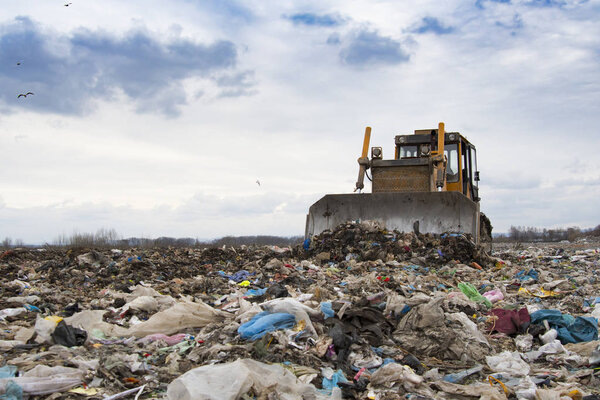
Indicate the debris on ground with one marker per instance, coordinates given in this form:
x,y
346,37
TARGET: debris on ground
x,y
357,312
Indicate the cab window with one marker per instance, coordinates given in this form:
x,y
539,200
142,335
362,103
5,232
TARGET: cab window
x,y
452,170
408,151
474,163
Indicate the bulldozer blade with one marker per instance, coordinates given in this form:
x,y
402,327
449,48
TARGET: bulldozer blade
x,y
425,212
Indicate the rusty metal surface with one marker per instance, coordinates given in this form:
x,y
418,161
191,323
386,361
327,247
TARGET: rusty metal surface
x,y
415,178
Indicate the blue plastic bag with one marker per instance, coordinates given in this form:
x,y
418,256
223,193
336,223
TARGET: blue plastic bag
x,y
531,275
8,371
256,292
265,322
327,310
329,384
13,392
306,244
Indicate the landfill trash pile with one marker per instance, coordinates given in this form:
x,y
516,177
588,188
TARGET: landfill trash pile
x,y
358,312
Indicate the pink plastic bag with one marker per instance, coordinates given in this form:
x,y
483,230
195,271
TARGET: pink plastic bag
x,y
494,295
170,340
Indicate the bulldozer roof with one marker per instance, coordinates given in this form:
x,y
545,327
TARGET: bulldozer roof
x,y
422,136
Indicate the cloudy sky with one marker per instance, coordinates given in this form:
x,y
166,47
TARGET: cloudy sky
x,y
157,118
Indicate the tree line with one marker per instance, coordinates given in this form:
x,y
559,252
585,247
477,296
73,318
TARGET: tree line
x,y
109,238
532,234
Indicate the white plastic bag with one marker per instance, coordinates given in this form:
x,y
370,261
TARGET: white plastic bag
x,y
525,389
393,373
508,362
144,303
293,306
45,380
173,320
232,380
43,329
11,312
549,336
177,318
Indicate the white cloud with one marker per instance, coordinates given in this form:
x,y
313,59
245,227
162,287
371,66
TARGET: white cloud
x,y
519,81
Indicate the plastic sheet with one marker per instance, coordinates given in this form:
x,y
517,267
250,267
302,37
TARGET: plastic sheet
x,y
570,329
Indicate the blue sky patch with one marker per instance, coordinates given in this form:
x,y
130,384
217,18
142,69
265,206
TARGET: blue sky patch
x,y
310,19
368,47
480,3
433,25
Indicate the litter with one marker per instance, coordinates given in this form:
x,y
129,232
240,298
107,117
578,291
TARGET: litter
x,y
360,312
266,322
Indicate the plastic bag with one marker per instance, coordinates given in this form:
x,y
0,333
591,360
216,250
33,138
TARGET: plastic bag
x,y
549,336
508,362
331,379
458,377
8,371
525,389
524,342
176,318
45,380
69,336
11,312
169,340
231,381
393,373
44,328
144,303
327,310
494,295
471,292
13,392
265,322
293,306
92,322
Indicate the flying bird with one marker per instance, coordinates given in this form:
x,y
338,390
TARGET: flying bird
x,y
258,182
18,62
68,4
24,95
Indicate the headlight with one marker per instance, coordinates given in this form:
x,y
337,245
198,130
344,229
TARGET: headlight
x,y
376,152
452,136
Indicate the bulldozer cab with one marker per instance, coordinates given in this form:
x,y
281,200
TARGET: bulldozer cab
x,y
461,160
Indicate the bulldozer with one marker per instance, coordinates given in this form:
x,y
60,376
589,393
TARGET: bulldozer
x,y
430,186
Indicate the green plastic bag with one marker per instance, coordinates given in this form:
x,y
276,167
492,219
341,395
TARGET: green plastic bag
x,y
471,292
